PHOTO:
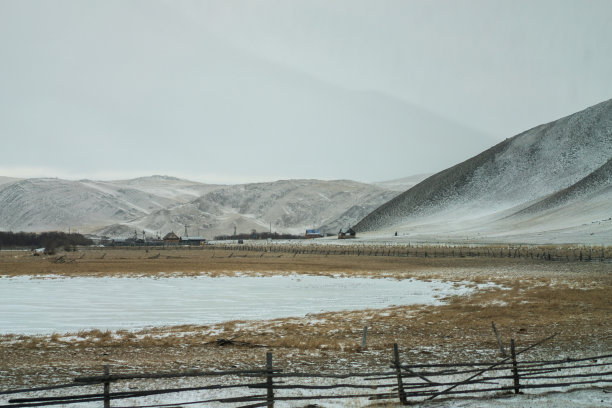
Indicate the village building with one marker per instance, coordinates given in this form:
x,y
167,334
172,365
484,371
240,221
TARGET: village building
x,y
313,233
192,241
171,239
345,233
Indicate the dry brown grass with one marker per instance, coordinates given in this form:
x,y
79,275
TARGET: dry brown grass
x,y
138,262
532,300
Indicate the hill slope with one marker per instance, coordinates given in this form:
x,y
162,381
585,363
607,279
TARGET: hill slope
x,y
530,176
160,204
55,204
284,206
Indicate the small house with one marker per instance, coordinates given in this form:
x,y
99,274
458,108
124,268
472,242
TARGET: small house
x,y
171,238
313,233
193,241
345,233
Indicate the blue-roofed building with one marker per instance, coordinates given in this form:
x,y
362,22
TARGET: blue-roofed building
x,y
192,241
313,233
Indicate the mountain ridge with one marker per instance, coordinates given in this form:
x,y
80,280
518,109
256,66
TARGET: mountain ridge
x,y
552,182
158,204
530,171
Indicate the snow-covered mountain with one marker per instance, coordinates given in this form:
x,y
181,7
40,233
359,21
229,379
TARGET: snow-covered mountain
x,y
283,206
404,183
7,180
55,204
552,182
160,204
171,188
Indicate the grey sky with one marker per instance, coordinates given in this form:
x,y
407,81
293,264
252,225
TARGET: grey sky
x,y
236,91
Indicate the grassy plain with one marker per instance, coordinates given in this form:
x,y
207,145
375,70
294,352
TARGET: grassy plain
x,y
532,299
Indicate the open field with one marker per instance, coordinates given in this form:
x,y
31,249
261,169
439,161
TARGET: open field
x,y
532,299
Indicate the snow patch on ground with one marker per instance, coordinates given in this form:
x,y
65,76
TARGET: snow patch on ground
x,y
30,305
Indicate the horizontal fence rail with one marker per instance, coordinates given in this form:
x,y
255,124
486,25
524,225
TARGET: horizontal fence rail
x,y
602,254
404,382
263,247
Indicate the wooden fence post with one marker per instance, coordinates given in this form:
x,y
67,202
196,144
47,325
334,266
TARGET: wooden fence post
x,y
269,382
398,368
364,338
499,343
106,387
517,386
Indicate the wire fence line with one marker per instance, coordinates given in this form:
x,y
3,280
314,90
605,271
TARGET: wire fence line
x,y
598,254
406,383
563,253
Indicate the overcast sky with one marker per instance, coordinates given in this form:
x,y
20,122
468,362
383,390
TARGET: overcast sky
x,y
240,91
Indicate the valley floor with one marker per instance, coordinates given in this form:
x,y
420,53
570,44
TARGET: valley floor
x,y
531,299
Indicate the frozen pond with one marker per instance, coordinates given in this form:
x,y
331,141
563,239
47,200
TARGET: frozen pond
x,y
41,306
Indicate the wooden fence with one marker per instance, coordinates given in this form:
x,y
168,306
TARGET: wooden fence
x,y
567,254
564,253
404,382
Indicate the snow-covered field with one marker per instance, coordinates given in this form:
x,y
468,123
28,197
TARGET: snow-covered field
x,y
30,305
48,304
598,395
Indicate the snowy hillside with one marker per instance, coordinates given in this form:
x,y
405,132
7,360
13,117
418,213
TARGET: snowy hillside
x,y
7,180
55,204
549,184
284,206
596,184
552,181
160,204
164,186
404,183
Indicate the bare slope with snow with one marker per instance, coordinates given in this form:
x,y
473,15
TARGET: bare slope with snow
x,y
160,204
553,180
284,206
404,183
7,180
55,204
173,188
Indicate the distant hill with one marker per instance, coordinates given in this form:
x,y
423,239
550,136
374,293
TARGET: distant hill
x,y
284,206
55,204
551,183
159,204
404,183
523,186
7,180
